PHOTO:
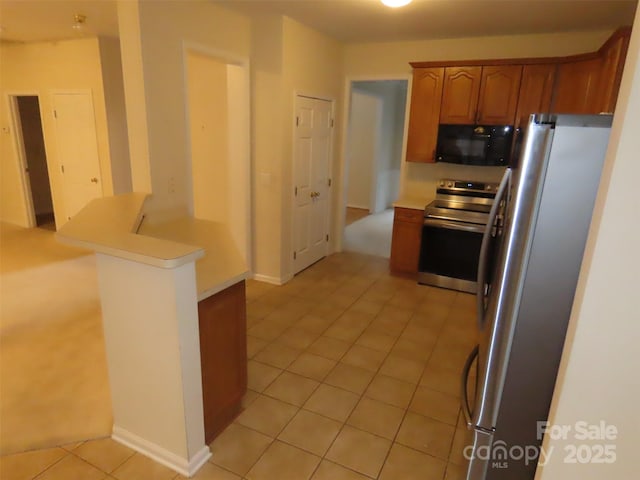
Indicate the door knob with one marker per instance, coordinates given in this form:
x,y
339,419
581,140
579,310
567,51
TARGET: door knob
x,y
94,180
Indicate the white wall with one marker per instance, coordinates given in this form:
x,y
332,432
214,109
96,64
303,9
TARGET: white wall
x,y
599,379
370,60
363,148
43,68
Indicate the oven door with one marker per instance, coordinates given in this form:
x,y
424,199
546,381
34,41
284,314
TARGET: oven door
x,y
449,253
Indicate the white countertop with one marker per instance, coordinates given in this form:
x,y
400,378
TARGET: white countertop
x,y
112,225
220,267
413,202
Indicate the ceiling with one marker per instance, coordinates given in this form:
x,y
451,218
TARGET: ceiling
x,y
40,20
346,20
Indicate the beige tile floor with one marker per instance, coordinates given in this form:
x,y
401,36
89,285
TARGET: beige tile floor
x,y
353,374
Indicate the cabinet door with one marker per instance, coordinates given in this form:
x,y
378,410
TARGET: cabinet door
x,y
499,95
613,58
424,115
223,355
460,95
405,240
577,87
536,90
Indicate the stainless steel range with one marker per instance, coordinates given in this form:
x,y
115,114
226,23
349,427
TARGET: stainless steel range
x,y
452,234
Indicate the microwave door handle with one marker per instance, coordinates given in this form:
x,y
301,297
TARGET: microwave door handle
x,y
464,395
484,248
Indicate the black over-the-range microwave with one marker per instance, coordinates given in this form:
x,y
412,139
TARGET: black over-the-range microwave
x,y
486,145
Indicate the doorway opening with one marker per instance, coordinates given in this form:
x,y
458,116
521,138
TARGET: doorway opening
x,y
373,158
31,149
218,119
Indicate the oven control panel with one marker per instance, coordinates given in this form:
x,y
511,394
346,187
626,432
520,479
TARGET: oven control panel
x,y
466,186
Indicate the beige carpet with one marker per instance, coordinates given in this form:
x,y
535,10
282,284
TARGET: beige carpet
x,y
53,376
370,235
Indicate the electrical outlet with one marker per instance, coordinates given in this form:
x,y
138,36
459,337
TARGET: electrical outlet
x,y
172,185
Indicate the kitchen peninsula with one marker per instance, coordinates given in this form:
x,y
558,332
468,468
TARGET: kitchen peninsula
x,y
173,306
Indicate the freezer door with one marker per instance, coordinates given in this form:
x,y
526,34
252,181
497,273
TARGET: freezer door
x,y
480,458
510,262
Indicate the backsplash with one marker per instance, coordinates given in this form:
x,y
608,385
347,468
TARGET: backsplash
x,y
420,179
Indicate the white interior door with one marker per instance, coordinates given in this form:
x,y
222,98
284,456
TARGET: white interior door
x,y
312,155
77,150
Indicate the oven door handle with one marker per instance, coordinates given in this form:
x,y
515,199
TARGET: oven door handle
x,y
484,248
464,227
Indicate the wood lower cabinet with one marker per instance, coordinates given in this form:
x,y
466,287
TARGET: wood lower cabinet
x,y
223,353
426,95
405,240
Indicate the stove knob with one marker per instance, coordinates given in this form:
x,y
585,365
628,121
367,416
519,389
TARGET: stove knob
x,y
489,187
441,183
450,184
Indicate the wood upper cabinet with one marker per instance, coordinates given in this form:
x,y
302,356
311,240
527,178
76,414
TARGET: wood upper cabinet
x,y
536,91
484,95
222,322
613,54
508,91
499,95
426,95
577,85
460,95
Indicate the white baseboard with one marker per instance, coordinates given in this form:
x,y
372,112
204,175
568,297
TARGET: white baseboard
x,y
186,467
359,207
272,280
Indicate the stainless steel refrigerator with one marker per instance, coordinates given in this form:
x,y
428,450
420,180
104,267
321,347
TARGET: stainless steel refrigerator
x,y
530,259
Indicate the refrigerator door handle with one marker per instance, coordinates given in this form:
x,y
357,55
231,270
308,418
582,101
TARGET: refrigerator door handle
x,y
484,248
464,396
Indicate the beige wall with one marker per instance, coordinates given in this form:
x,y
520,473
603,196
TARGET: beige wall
x,y
598,379
116,114
391,60
42,69
312,65
153,37
288,58
266,129
209,133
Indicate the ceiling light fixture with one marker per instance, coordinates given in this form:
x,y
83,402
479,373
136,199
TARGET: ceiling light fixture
x,y
79,22
396,3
